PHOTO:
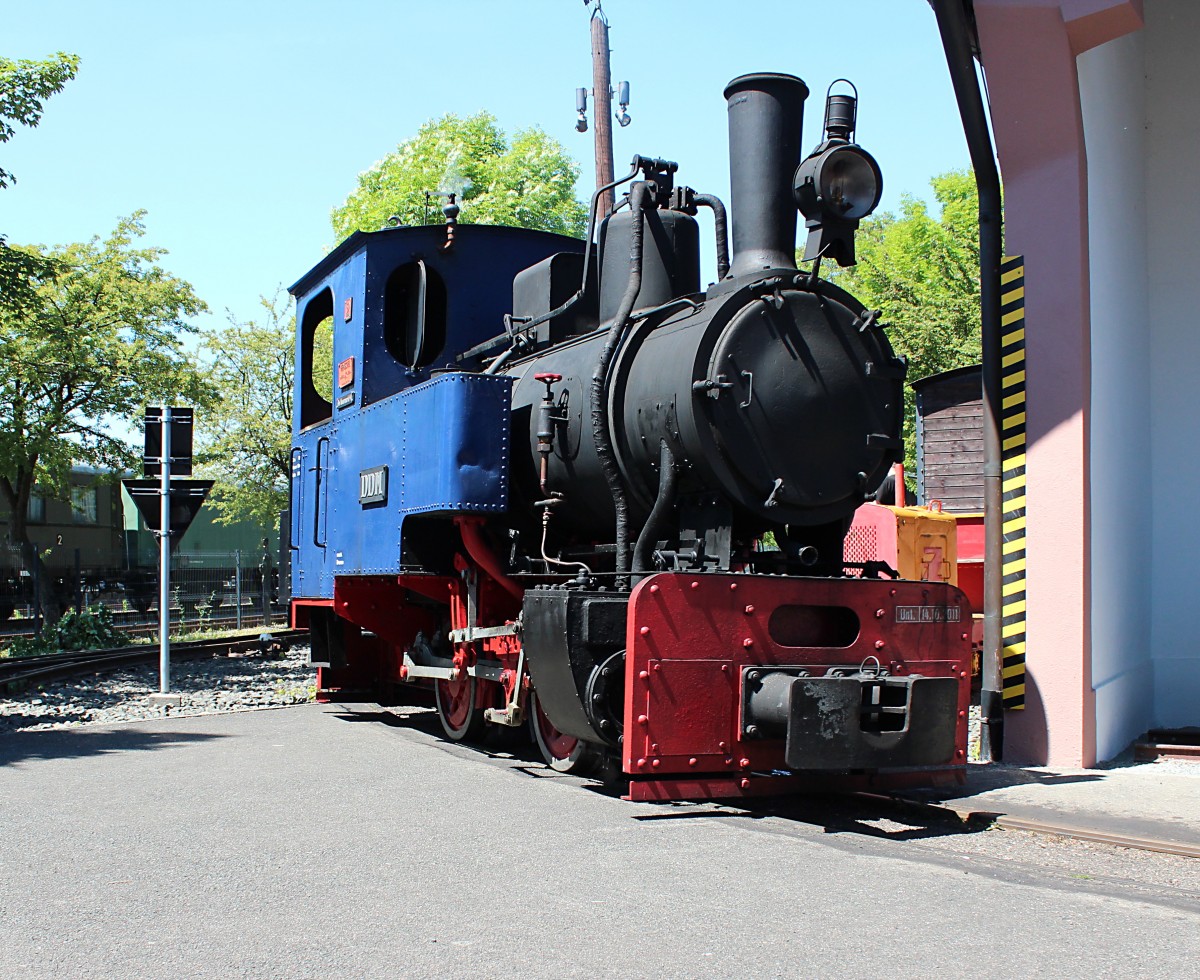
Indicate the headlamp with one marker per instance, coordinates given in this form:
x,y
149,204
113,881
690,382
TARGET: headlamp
x,y
843,181
837,186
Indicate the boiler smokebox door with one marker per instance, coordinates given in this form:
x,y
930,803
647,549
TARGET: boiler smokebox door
x,y
796,421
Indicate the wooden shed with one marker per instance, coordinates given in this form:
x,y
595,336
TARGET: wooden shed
x,y
950,439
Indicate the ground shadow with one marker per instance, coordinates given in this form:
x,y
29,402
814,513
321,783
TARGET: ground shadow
x,y
838,813
378,717
75,743
505,745
998,776
834,813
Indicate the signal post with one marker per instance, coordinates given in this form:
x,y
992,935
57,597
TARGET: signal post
x,y
167,506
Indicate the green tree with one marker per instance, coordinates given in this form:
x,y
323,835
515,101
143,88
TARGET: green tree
x,y
246,437
529,183
21,273
100,342
24,87
922,271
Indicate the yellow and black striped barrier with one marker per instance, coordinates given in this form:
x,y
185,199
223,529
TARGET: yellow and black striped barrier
x,y
1012,429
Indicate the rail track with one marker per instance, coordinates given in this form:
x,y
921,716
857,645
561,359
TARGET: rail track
x,y
135,623
976,818
17,673
1098,837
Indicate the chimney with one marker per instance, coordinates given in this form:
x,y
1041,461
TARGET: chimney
x,y
766,114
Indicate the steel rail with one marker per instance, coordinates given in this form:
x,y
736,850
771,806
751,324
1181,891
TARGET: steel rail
x,y
24,670
1173,751
1098,836
130,624
979,818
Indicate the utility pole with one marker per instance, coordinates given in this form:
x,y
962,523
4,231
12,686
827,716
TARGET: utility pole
x,y
602,95
602,108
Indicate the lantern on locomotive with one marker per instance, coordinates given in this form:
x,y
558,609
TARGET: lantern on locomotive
x,y
575,533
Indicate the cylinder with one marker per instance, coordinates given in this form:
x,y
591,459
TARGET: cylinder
x,y
670,259
791,413
766,114
774,407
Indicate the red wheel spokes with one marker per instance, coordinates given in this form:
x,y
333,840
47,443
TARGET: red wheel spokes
x,y
560,745
456,696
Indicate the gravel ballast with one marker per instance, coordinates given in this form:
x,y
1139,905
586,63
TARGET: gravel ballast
x,y
207,686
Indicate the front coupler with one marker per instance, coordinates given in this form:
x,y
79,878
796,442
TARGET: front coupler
x,y
864,720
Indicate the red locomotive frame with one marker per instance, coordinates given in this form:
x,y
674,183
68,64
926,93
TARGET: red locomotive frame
x,y
690,641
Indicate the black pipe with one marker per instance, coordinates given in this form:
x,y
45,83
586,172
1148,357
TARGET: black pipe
x,y
721,228
956,39
599,387
766,113
499,362
658,513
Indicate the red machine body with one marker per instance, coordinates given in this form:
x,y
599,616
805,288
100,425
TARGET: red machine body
x,y
694,639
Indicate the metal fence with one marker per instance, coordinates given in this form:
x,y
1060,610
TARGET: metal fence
x,y
208,589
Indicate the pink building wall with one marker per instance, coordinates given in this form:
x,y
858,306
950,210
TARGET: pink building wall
x,y
1029,49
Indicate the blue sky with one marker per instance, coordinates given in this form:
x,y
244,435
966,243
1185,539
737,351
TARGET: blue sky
x,y
238,126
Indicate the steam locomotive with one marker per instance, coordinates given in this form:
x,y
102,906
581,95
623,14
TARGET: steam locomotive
x,y
559,486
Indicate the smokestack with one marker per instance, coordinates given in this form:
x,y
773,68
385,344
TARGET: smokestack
x,y
766,114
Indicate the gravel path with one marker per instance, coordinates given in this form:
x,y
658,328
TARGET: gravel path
x,y
235,683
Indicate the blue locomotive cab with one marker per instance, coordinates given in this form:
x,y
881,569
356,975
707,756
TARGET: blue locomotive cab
x,y
386,423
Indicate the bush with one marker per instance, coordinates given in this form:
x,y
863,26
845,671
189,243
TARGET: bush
x,y
91,629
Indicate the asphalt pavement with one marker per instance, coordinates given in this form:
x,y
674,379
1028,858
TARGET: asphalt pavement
x,y
319,841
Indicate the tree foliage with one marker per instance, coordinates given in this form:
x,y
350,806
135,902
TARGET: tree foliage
x,y
21,272
24,87
100,342
529,183
922,271
246,437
